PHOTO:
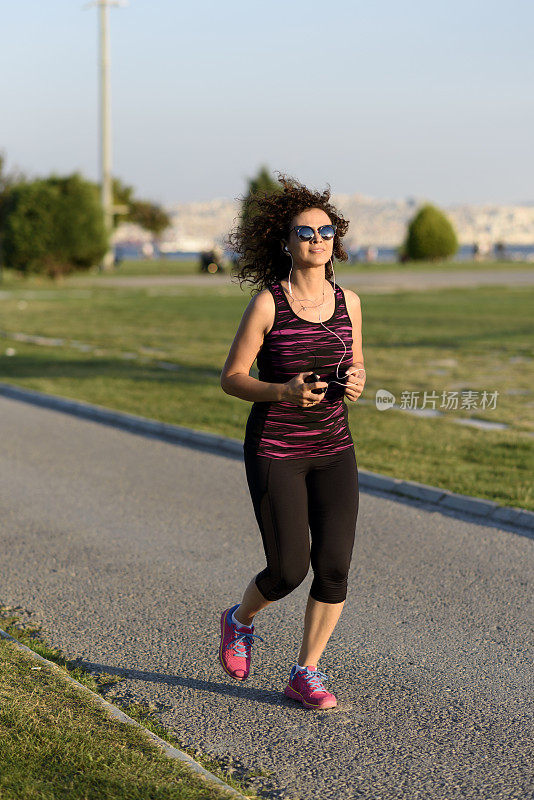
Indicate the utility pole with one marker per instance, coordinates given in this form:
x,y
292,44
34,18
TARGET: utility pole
x,y
105,122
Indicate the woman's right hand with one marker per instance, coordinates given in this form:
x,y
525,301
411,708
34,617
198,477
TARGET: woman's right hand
x,y
300,393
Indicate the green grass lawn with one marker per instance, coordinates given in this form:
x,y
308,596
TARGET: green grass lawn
x,y
58,744
160,266
442,340
191,266
156,266
132,267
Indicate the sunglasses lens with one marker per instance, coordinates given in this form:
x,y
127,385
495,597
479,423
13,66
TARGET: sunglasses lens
x,y
327,231
305,233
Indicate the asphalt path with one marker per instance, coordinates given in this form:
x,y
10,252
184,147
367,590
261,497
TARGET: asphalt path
x,y
126,548
373,283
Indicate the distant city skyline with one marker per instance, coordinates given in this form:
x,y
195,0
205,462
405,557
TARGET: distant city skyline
x,y
388,100
371,222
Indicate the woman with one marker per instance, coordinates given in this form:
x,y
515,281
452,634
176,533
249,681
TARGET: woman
x,y
299,455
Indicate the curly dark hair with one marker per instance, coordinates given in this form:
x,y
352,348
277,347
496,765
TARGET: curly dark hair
x,y
257,237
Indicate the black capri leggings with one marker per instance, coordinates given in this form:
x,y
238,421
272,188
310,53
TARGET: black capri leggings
x,y
293,497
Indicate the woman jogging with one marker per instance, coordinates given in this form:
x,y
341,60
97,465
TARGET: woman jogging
x,y
305,331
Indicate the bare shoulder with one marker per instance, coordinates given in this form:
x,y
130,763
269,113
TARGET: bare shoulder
x,y
262,308
351,296
353,303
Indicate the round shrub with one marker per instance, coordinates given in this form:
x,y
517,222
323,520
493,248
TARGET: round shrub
x,y
53,226
430,236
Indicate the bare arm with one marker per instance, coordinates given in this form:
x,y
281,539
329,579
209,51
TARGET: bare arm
x,y
356,380
236,380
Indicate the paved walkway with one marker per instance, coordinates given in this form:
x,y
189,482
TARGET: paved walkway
x,y
388,281
126,548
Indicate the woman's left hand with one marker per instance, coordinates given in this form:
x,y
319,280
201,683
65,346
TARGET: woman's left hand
x,y
355,383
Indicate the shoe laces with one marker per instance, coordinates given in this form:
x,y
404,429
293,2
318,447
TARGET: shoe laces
x,y
313,679
242,643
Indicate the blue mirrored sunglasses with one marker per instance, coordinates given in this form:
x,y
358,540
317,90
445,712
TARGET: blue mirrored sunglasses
x,y
305,233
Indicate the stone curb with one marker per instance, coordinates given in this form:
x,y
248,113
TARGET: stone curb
x,y
170,751
223,445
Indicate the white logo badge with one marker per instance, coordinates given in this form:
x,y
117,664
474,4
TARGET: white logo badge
x,y
384,399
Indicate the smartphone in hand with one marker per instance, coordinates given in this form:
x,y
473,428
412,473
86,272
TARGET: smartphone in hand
x,y
311,379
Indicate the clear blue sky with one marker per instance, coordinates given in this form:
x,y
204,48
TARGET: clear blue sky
x,y
386,98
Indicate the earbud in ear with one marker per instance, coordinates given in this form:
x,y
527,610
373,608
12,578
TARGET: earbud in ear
x,y
286,249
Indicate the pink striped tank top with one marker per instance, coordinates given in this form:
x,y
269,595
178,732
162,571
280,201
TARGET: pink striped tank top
x,y
293,345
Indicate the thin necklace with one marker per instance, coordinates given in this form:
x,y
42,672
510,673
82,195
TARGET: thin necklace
x,y
304,308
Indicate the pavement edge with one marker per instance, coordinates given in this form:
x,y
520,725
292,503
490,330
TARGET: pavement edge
x,y
114,711
223,445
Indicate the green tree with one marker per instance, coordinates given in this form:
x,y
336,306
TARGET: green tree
x,y
7,181
123,195
53,226
430,236
263,183
150,216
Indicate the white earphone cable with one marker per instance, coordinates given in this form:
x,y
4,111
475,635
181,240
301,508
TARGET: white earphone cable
x,y
322,323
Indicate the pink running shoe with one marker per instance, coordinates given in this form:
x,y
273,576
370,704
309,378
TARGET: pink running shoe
x,y
305,686
235,647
